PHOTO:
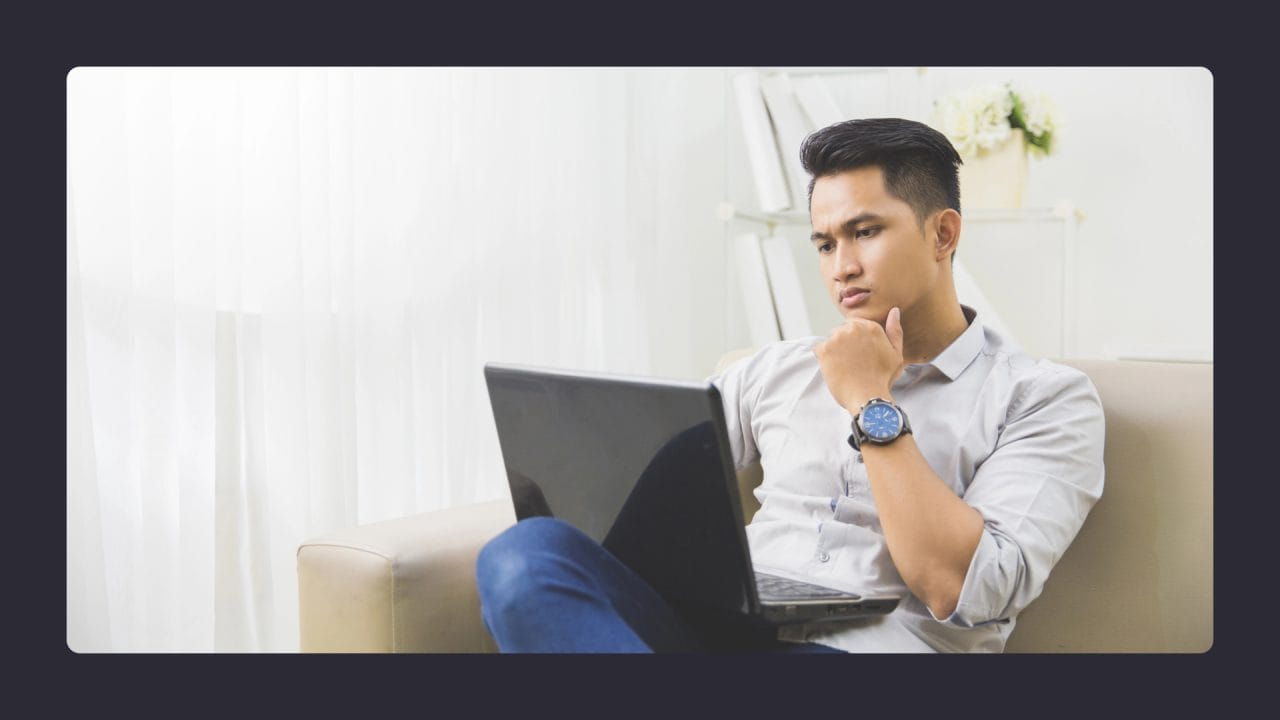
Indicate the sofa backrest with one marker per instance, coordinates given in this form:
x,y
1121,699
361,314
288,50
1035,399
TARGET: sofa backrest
x,y
1139,575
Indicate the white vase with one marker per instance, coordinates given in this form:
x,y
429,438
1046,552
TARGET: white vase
x,y
995,178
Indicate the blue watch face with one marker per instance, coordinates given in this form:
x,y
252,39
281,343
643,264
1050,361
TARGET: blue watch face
x,y
881,421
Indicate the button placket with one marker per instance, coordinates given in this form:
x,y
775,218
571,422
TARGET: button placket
x,y
821,554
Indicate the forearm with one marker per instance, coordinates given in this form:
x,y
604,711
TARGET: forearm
x,y
931,533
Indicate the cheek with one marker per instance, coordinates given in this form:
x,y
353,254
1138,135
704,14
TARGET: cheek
x,y
825,274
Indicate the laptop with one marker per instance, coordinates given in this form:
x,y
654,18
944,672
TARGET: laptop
x,y
643,466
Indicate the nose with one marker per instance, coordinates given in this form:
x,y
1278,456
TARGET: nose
x,y
846,261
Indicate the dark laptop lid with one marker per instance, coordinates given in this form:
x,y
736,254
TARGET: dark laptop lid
x,y
640,465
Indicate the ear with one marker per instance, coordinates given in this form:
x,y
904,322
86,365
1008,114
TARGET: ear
x,y
946,225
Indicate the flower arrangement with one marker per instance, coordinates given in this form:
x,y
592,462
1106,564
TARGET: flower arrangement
x,y
984,116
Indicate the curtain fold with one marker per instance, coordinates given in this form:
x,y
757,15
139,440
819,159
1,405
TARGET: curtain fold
x,y
282,285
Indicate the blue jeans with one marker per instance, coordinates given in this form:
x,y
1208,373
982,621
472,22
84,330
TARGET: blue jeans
x,y
547,587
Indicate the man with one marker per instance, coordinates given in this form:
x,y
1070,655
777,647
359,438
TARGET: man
x,y
971,470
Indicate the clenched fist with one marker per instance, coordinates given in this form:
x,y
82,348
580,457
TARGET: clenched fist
x,y
861,360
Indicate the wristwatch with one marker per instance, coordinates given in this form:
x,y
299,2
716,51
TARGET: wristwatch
x,y
880,422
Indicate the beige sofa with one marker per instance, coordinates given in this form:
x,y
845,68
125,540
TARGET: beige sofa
x,y
1138,578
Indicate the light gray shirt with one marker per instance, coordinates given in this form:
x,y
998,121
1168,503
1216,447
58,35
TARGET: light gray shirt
x,y
1019,439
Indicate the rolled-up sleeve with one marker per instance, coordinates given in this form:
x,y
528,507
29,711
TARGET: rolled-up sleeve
x,y
1033,492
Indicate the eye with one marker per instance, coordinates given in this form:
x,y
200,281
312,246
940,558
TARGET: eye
x,y
824,248
867,231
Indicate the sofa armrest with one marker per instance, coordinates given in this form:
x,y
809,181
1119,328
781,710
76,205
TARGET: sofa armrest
x,y
402,585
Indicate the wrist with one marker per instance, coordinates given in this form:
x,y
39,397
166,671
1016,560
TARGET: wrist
x,y
856,400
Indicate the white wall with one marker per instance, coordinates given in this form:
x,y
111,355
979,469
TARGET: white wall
x,y
1135,154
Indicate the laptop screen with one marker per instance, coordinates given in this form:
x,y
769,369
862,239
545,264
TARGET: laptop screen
x,y
635,463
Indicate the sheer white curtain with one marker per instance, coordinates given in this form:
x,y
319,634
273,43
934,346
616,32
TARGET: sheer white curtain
x,y
282,285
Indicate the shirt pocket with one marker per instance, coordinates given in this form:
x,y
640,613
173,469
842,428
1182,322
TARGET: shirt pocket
x,y
859,511
855,506
853,473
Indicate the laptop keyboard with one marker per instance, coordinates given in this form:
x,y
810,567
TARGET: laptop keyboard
x,y
772,586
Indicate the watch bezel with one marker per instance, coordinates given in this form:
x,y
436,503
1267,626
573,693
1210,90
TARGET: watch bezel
x,y
860,434
862,414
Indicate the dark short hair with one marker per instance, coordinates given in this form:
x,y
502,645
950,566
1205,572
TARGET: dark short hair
x,y
919,163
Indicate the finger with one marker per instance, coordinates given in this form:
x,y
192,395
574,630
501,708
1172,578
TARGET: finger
x,y
893,328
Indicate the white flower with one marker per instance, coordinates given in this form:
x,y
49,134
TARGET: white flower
x,y
1039,112
958,124
977,119
982,117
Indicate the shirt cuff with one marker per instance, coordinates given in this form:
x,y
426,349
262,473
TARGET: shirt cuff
x,y
980,594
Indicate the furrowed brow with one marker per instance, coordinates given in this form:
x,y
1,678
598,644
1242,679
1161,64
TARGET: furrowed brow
x,y
847,227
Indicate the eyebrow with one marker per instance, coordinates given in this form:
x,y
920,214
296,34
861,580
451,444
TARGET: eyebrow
x,y
847,226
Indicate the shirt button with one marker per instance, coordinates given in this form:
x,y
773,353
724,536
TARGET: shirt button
x,y
824,556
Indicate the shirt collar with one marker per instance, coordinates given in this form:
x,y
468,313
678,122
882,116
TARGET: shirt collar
x,y
952,361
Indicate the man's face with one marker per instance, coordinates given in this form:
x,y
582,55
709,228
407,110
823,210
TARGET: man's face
x,y
872,253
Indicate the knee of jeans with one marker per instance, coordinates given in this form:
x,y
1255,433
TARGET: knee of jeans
x,y
507,563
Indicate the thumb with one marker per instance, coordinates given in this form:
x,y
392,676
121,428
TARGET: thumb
x,y
893,328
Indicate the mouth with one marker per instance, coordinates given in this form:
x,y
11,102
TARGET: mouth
x,y
853,297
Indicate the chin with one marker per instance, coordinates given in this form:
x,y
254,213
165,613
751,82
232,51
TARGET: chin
x,y
862,312
873,315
